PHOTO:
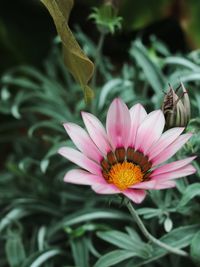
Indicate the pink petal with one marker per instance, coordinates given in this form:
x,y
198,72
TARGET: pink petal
x,y
105,189
96,132
164,185
80,159
165,140
83,142
136,195
153,184
118,123
171,149
181,172
150,130
83,177
173,166
145,185
138,114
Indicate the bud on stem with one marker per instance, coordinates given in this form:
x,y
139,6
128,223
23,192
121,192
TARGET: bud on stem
x,y
176,108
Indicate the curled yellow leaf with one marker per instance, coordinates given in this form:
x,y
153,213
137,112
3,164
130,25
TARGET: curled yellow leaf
x,y
80,66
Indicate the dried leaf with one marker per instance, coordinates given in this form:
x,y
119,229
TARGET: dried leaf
x,y
76,61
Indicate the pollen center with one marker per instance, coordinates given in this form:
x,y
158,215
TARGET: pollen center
x,y
123,175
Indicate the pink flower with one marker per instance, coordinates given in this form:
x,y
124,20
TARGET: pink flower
x,y
125,158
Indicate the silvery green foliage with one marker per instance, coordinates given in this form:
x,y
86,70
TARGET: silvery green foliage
x,y
46,222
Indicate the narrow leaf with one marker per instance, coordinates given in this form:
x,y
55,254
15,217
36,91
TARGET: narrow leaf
x,y
150,69
179,238
192,191
81,217
37,259
123,241
12,216
80,252
114,257
195,248
15,250
181,62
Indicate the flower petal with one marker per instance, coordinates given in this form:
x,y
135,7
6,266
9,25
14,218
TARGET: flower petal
x,y
138,114
171,149
154,184
105,189
149,130
136,195
172,166
164,185
165,140
96,132
118,123
83,177
82,141
145,185
80,159
184,171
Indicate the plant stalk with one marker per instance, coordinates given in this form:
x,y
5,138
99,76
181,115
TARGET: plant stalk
x,y
98,55
151,238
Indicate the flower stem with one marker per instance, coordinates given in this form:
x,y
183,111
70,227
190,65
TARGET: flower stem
x,y
149,236
98,55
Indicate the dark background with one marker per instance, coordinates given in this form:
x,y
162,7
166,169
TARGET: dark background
x,y
26,31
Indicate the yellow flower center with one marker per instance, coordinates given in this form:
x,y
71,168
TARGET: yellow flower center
x,y
123,175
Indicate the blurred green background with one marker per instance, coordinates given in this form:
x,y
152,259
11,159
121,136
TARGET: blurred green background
x,y
46,222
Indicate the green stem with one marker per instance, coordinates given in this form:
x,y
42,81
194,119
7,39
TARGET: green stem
x,y
149,236
98,55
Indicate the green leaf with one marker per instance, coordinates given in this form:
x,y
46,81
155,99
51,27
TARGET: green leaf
x,y
192,191
184,76
195,248
150,69
41,238
85,216
38,259
114,257
4,94
53,124
45,110
112,85
12,216
118,239
15,250
44,165
182,62
21,82
80,252
76,61
149,212
123,241
179,238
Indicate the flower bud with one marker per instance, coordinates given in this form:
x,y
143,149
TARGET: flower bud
x,y
176,108
106,18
